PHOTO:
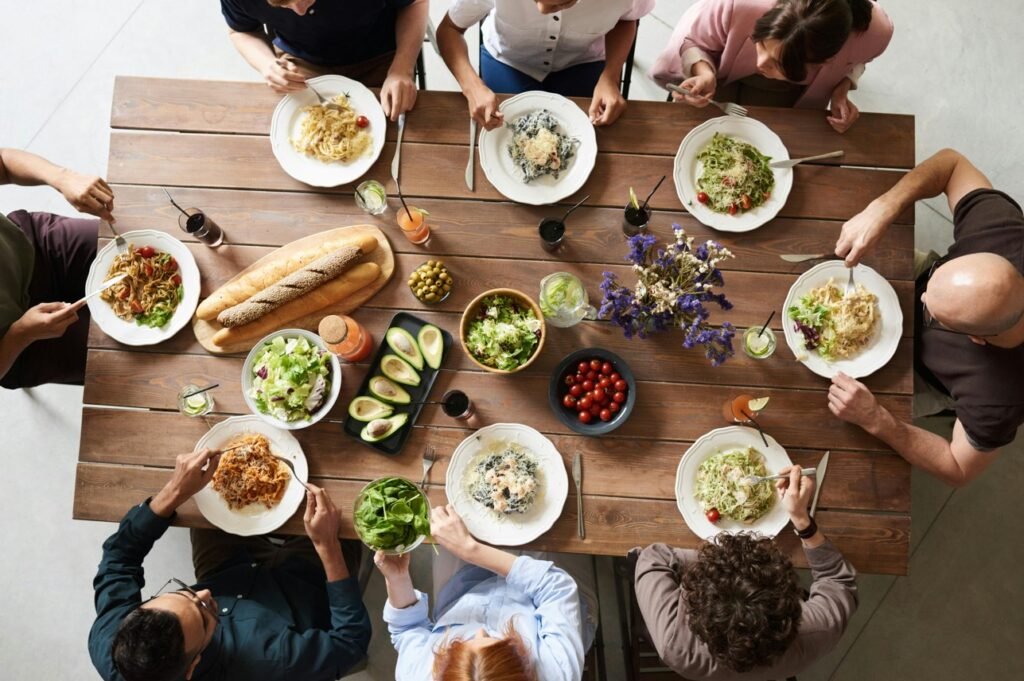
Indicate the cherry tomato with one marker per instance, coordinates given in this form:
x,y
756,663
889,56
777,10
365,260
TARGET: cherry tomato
x,y
621,385
570,379
576,390
595,365
713,515
171,265
615,377
146,251
604,382
619,397
136,307
583,367
614,407
592,375
702,197
569,402
585,402
745,202
595,409
149,269
588,385
585,417
733,209
607,368
362,121
176,279
605,415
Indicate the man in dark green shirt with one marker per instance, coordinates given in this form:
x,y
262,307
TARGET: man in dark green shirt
x,y
246,619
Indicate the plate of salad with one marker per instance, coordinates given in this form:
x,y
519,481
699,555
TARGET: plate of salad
x,y
502,330
712,493
392,515
722,174
290,380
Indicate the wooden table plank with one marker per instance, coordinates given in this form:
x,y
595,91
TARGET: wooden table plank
x,y
881,140
431,170
277,218
659,358
794,418
105,492
857,481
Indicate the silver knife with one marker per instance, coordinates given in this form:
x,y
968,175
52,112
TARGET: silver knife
x,y
103,287
804,257
822,465
396,163
790,162
577,477
472,155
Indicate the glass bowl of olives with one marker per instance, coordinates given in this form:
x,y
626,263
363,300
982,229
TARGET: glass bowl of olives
x,y
431,282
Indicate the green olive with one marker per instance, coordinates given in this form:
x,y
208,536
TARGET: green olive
x,y
430,297
447,288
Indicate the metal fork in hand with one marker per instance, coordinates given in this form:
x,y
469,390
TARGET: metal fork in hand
x,y
119,241
324,102
850,288
727,107
292,467
428,462
757,479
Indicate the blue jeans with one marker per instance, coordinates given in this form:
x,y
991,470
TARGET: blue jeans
x,y
575,81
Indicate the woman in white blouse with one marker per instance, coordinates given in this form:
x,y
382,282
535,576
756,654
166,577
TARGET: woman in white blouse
x,y
574,48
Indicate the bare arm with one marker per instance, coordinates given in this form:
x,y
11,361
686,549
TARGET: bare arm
x,y
450,532
86,193
608,103
946,172
410,28
281,75
483,104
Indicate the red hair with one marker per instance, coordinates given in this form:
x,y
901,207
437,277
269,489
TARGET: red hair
x,y
508,659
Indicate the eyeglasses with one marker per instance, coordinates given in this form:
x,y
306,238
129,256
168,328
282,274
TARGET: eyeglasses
x,y
187,591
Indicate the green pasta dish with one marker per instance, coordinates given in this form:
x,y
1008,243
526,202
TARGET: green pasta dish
x,y
722,485
736,176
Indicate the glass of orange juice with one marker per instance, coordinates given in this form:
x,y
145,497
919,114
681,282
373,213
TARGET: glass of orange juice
x,y
413,223
743,409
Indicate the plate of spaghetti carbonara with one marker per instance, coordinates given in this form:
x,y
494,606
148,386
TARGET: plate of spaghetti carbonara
x,y
830,330
156,298
251,491
327,147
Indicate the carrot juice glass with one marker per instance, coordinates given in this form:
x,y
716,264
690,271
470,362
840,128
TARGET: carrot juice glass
x,y
413,223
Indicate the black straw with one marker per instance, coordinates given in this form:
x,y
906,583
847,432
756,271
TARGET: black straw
x,y
654,190
575,207
756,425
402,199
173,203
361,197
759,333
201,390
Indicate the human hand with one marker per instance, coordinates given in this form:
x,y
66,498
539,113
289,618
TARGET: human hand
x,y
192,472
850,400
861,232
46,320
321,519
844,113
795,492
284,76
702,88
483,107
87,193
447,528
397,94
392,567
608,102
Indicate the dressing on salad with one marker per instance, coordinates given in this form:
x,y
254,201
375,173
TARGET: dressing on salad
x,y
505,333
290,378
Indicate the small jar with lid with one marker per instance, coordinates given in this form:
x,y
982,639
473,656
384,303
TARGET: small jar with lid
x,y
346,337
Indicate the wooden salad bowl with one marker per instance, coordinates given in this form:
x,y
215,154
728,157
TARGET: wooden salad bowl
x,y
471,313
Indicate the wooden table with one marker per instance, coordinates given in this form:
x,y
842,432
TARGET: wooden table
x,y
208,141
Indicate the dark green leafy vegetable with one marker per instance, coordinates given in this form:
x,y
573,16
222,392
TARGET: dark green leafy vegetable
x,y
391,514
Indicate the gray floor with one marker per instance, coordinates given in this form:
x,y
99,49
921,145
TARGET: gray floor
x,y
953,64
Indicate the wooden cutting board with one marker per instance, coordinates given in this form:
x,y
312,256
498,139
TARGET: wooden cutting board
x,y
382,255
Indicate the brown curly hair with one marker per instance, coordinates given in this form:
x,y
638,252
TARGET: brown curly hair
x,y
743,600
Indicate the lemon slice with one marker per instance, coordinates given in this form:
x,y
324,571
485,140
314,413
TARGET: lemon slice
x,y
758,404
196,403
633,201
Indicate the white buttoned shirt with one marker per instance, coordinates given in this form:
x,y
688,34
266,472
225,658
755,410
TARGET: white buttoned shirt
x,y
517,34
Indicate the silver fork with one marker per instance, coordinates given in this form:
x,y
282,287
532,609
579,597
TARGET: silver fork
x,y
727,108
850,288
324,102
119,241
757,479
292,467
428,462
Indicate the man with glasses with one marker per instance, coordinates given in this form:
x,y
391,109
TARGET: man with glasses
x,y
969,335
258,611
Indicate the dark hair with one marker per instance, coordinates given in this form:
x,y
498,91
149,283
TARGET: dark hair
x,y
150,645
811,31
743,600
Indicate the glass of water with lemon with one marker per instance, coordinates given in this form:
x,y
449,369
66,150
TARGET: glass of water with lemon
x,y
564,300
759,343
191,403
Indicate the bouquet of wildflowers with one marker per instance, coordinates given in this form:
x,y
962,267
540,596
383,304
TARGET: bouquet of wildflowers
x,y
673,284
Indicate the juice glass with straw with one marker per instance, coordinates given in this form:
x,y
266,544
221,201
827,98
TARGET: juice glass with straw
x,y
743,408
413,223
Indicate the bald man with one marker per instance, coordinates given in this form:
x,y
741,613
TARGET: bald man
x,y
969,335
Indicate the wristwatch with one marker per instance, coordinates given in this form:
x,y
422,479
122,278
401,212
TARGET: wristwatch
x,y
808,531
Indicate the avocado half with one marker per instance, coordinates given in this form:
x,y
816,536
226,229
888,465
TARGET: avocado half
x,y
431,345
398,370
365,408
404,345
389,391
379,429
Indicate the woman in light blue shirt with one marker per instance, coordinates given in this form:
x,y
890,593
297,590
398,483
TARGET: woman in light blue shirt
x,y
497,611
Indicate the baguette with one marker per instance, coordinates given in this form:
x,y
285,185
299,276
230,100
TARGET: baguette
x,y
331,293
298,283
273,270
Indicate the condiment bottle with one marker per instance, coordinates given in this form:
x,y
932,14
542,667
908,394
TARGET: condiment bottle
x,y
346,337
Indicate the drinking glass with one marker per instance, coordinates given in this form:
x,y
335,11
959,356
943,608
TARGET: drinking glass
x,y
564,300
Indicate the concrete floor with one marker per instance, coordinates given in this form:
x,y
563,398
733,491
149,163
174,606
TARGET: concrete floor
x,y
958,615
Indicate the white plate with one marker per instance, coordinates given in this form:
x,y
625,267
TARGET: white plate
x,y
515,529
332,396
688,169
128,332
721,440
287,122
507,178
255,518
888,331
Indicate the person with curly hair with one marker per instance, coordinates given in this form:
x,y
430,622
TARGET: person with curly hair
x,y
734,609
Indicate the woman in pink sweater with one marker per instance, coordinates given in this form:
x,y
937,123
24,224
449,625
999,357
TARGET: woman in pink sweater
x,y
804,53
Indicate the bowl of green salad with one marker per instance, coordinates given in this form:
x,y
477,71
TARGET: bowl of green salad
x,y
502,330
391,515
290,380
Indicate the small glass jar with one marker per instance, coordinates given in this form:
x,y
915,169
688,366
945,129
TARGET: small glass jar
x,y
346,338
200,225
371,197
191,405
413,223
635,220
759,345
457,405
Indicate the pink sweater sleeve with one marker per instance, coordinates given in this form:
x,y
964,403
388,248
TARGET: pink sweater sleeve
x,y
701,34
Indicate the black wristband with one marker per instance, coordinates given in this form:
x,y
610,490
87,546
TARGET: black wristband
x,y
808,531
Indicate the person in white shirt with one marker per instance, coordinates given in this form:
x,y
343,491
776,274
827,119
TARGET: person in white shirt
x,y
574,48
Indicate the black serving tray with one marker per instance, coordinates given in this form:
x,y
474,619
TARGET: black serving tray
x,y
394,444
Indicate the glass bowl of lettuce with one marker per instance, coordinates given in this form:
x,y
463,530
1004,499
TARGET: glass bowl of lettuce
x,y
502,330
391,515
290,380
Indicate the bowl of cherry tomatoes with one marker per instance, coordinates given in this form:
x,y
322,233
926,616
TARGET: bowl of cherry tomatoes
x,y
592,391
